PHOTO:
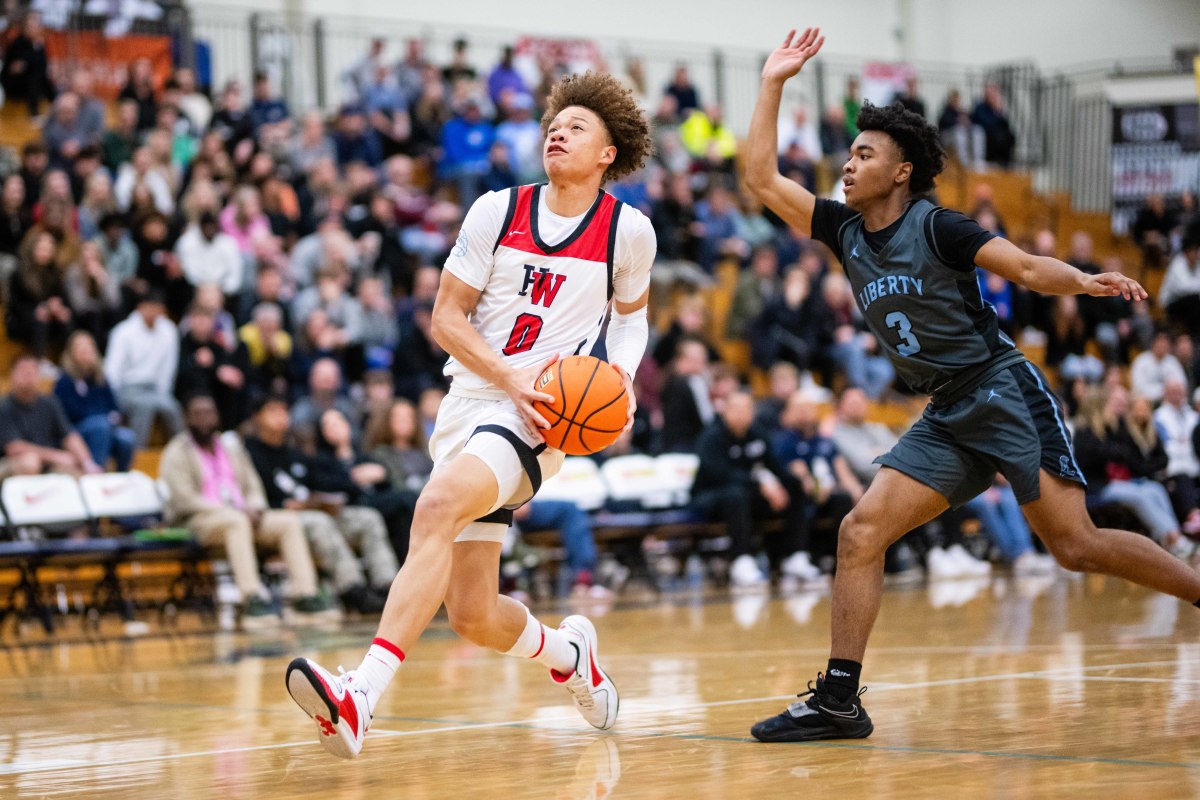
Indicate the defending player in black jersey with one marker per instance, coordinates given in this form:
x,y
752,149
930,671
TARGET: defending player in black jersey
x,y
912,266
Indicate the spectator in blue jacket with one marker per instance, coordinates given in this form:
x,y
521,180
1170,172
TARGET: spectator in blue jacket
x,y
503,77
500,175
266,109
719,216
999,141
90,405
355,140
523,136
466,143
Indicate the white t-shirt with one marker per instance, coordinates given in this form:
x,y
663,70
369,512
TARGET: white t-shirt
x,y
540,293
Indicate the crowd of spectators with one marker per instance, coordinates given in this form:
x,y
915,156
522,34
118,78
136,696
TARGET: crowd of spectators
x,y
189,262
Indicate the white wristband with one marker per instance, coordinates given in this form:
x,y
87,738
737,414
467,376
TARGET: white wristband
x,y
626,340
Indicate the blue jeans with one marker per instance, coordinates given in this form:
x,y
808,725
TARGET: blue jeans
x,y
1002,520
1149,502
105,440
573,525
872,374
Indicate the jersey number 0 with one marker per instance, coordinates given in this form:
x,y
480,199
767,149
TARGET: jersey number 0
x,y
525,332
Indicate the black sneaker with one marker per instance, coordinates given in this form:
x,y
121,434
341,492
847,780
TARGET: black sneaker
x,y
821,716
258,614
314,608
363,600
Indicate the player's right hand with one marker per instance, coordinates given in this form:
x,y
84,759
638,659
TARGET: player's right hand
x,y
1114,284
520,388
792,55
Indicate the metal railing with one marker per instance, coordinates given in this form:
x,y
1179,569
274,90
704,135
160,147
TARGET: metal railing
x,y
1062,122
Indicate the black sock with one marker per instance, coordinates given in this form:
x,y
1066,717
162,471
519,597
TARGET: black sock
x,y
841,678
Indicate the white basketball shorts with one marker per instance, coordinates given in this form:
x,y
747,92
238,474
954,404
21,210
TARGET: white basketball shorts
x,y
493,432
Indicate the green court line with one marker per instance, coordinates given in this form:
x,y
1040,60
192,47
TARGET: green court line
x,y
703,737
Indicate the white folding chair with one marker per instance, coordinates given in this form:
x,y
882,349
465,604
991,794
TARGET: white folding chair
x,y
54,502
579,482
635,478
116,495
43,500
676,472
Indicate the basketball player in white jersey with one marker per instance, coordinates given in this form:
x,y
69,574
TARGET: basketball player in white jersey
x,y
530,280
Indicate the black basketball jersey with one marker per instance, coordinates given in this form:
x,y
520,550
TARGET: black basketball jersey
x,y
927,314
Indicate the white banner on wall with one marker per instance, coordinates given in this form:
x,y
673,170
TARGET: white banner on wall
x,y
1155,150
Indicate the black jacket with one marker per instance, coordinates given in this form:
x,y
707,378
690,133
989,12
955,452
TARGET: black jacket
x,y
1115,455
682,423
289,474
726,460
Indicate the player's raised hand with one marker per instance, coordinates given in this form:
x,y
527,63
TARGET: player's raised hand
x,y
793,54
1113,284
520,388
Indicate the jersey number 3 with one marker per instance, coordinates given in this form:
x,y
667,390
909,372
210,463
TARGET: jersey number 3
x,y
909,346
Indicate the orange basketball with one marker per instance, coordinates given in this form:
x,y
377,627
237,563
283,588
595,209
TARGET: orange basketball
x,y
590,405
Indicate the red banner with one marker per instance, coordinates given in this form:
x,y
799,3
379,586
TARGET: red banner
x,y
108,59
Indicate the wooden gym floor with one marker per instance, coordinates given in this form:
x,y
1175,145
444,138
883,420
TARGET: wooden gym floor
x,y
1005,688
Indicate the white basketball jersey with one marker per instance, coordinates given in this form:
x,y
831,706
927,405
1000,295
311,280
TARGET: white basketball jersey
x,y
540,299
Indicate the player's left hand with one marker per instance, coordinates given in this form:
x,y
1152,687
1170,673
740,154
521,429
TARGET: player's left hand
x,y
793,54
628,393
1113,284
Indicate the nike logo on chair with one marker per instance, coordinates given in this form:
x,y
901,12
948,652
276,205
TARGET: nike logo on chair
x,y
33,498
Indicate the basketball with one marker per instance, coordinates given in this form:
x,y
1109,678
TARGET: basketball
x,y
590,405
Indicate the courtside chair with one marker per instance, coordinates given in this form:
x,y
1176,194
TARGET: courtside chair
x,y
129,504
24,600
579,481
676,472
632,482
39,506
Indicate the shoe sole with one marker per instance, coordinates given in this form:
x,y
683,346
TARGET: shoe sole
x,y
308,690
820,737
588,631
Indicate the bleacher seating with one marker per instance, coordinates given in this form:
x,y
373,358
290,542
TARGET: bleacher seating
x,y
629,497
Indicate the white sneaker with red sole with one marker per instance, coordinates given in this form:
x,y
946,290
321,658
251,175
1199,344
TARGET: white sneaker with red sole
x,y
337,706
594,693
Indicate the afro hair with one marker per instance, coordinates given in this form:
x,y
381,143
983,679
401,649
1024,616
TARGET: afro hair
x,y
613,103
919,142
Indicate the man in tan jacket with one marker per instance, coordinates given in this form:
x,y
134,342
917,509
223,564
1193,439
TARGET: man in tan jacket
x,y
216,493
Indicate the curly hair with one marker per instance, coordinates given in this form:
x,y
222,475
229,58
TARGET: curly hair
x,y
918,141
604,95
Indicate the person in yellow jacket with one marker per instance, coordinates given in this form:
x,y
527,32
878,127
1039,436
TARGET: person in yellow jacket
x,y
705,129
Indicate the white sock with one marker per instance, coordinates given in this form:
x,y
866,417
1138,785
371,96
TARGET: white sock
x,y
547,645
377,669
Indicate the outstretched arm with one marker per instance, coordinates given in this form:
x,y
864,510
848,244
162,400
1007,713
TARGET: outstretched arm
x,y
792,202
1051,276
